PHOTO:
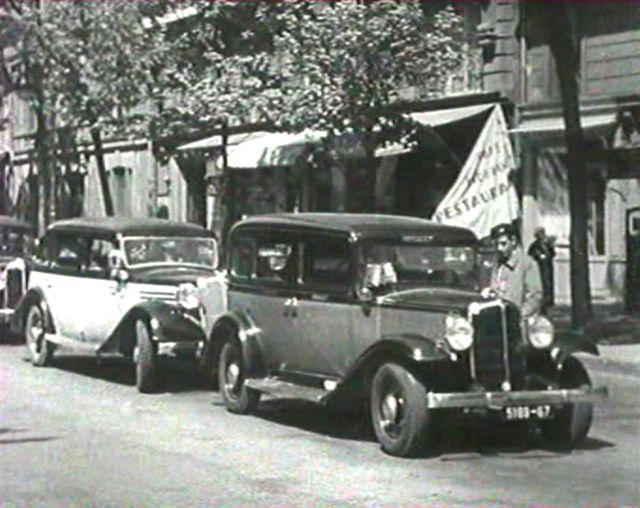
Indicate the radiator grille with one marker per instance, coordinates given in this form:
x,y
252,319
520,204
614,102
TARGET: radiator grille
x,y
15,287
497,351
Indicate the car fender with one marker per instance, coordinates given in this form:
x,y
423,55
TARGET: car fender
x,y
32,296
246,332
168,323
564,350
406,347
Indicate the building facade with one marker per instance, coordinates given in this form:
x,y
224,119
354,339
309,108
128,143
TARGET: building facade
x,y
519,64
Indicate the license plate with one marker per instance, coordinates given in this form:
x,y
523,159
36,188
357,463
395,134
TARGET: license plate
x,y
541,412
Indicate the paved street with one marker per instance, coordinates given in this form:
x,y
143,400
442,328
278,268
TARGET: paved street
x,y
78,435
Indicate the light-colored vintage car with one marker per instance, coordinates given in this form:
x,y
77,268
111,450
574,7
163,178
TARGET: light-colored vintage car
x,y
16,241
386,312
142,288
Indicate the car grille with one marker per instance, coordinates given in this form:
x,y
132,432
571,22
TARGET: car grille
x,y
497,354
163,295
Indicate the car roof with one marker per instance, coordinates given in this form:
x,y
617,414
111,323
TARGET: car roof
x,y
129,227
12,222
364,226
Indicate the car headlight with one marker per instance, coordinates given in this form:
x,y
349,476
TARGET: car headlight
x,y
458,332
187,296
540,332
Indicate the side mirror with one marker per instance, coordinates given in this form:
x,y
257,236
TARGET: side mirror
x,y
376,276
115,261
121,275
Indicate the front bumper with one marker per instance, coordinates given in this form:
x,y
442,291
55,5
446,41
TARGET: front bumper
x,y
499,400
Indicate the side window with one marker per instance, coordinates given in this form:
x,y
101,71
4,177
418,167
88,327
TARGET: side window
x,y
274,260
98,262
69,253
44,251
326,263
241,264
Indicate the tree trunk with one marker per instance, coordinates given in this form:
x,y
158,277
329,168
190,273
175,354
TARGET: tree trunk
x,y
567,61
96,136
228,190
362,179
44,154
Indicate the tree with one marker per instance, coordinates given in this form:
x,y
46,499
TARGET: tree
x,y
91,64
553,26
329,66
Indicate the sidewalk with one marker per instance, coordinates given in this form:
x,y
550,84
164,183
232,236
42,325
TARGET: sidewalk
x,y
611,324
626,355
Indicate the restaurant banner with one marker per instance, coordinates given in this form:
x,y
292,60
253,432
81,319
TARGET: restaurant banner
x,y
484,194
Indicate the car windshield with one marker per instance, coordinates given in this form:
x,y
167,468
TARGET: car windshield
x,y
410,265
171,250
13,242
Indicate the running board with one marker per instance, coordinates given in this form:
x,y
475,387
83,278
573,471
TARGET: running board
x,y
72,344
284,390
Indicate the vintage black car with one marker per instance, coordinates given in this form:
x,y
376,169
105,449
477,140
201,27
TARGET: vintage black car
x,y
385,309
16,242
142,288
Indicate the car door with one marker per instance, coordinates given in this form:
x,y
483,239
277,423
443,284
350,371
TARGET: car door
x,y
262,271
80,293
323,312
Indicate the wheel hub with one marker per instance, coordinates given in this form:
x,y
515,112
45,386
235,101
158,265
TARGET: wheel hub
x,y
233,376
36,332
390,409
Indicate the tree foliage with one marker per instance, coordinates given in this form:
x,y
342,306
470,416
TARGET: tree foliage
x,y
333,66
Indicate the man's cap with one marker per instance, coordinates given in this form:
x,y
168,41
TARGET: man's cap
x,y
502,230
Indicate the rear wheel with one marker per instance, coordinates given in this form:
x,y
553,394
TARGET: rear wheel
x,y
572,423
145,359
238,398
401,420
40,349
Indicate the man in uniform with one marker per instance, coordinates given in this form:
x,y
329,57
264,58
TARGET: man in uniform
x,y
515,275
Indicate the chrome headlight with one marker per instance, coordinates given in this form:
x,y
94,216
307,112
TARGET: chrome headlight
x,y
458,332
187,296
540,332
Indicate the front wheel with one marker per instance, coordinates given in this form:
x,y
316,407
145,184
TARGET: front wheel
x,y
40,349
572,423
145,359
238,398
401,420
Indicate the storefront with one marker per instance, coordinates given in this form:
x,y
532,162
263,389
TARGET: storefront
x,y
613,188
274,171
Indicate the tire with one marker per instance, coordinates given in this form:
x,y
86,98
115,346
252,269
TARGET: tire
x,y
145,359
571,425
238,398
400,417
40,349
207,368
